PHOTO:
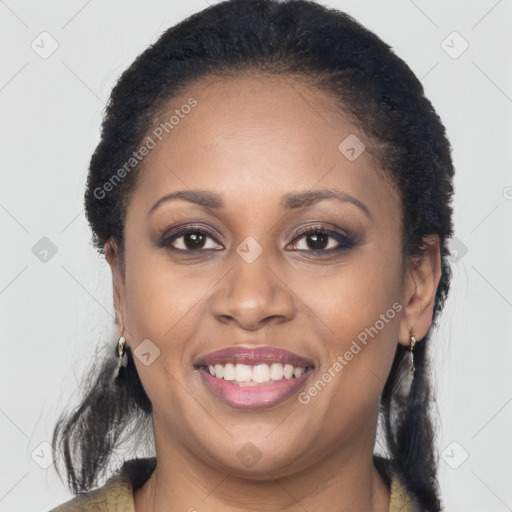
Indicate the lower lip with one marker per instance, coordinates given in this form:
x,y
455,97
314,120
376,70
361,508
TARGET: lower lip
x,y
253,397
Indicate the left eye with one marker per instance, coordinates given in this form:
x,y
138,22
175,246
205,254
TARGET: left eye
x,y
314,239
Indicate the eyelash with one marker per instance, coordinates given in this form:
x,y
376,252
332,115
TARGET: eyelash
x,y
345,241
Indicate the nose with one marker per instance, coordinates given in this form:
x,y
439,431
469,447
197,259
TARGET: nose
x,y
252,296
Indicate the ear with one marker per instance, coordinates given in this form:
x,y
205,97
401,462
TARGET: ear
x,y
421,281
114,259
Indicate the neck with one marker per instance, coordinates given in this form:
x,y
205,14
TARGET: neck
x,y
340,482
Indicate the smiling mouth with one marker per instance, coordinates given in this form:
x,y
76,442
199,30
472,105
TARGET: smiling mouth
x,y
253,377
240,374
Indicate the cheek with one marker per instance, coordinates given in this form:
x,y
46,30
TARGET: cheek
x,y
358,313
357,309
351,297
164,304
160,298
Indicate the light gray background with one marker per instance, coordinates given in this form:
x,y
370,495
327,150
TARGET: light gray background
x,y
55,314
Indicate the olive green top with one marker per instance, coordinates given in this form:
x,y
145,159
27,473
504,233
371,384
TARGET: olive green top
x,y
117,493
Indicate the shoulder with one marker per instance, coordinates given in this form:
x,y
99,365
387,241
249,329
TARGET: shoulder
x,y
401,500
116,495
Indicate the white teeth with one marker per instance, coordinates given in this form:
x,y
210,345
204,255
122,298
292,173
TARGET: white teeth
x,y
219,371
260,373
257,374
297,372
276,371
229,372
288,371
243,373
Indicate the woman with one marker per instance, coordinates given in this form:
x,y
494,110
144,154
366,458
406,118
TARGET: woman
x,y
272,193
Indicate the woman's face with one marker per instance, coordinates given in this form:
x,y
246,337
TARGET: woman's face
x,y
257,161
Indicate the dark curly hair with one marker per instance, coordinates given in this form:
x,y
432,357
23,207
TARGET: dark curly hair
x,y
379,94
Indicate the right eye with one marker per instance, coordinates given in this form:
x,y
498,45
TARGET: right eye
x,y
190,240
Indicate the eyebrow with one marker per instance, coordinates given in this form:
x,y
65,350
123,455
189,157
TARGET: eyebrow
x,y
310,197
290,201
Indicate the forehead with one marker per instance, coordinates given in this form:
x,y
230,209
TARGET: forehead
x,y
258,137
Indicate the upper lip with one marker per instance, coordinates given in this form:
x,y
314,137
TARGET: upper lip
x,y
253,355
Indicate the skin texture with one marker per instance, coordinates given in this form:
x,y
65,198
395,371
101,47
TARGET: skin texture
x,y
253,139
